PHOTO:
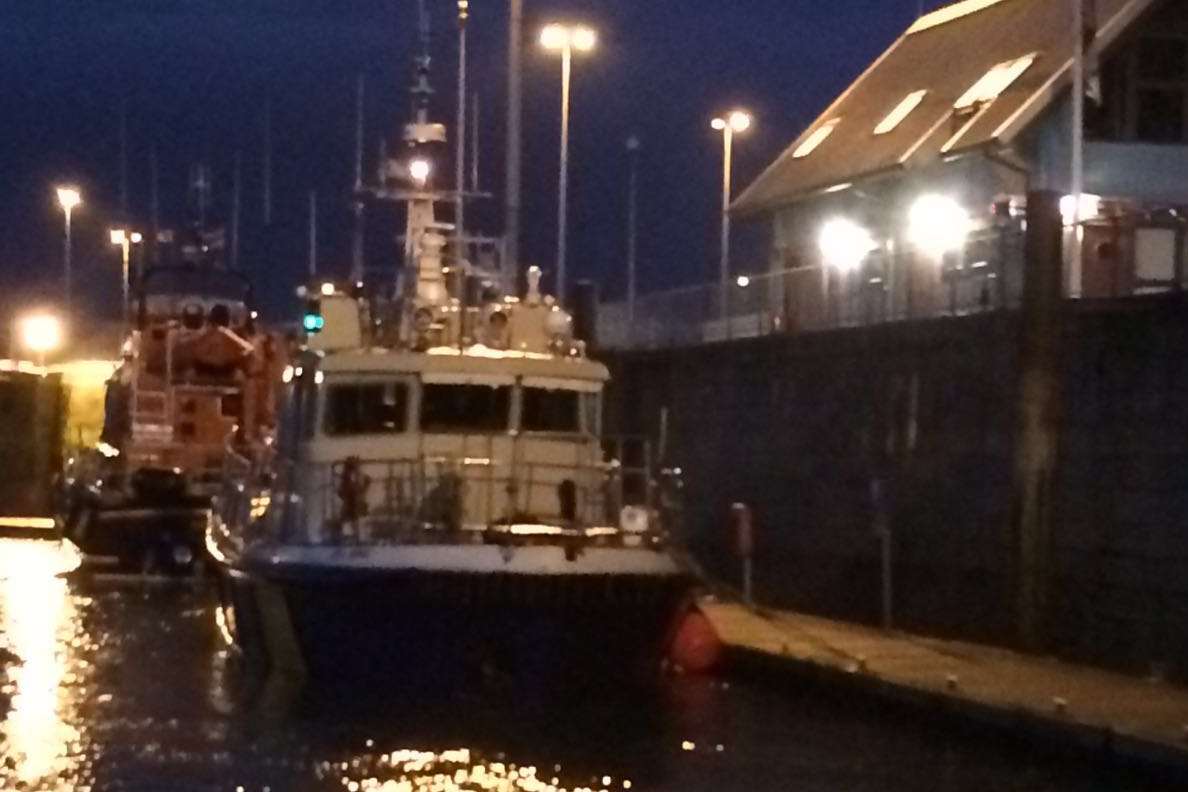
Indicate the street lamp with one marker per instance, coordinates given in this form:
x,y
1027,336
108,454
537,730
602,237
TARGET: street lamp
x,y
565,39
633,146
125,239
729,125
40,333
68,199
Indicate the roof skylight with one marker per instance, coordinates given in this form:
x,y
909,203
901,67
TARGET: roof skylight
x,y
994,82
815,139
901,111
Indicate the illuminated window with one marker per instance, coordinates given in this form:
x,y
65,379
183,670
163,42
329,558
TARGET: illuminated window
x,y
900,112
994,82
815,139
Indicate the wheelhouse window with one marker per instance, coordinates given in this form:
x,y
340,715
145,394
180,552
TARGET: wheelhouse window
x,y
448,409
547,410
366,408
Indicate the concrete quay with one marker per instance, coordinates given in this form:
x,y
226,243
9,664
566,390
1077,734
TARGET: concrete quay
x,y
1109,714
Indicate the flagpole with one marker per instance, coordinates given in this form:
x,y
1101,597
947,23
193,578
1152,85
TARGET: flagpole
x,y
1077,187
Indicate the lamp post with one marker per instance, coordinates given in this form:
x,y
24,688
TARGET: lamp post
x,y
125,239
68,199
633,146
565,39
734,123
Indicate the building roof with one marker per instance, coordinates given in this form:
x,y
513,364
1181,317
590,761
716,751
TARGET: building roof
x,y
945,54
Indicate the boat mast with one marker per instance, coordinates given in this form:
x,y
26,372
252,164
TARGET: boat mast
x,y
514,118
357,250
460,137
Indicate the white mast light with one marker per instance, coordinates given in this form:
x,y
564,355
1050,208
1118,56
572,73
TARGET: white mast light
x,y
419,170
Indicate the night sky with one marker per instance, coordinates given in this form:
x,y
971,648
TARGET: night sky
x,y
195,75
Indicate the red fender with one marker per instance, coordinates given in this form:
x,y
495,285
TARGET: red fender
x,y
695,646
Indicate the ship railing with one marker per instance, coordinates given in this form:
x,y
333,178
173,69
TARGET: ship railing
x,y
461,499
246,486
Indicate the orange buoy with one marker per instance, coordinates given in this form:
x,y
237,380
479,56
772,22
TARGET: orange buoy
x,y
695,645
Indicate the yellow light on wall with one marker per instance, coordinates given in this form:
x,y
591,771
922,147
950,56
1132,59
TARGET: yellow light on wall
x,y
1089,207
845,244
938,224
40,332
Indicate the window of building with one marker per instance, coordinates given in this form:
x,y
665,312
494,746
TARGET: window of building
x,y
1163,59
366,408
814,140
1160,116
1145,91
901,111
546,410
1161,92
994,82
465,408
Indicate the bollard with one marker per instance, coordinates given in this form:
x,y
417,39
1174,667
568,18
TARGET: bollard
x,y
742,523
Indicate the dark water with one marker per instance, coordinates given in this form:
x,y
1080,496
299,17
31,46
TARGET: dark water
x,y
115,684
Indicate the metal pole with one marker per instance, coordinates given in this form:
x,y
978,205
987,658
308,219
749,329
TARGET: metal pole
x,y
632,194
313,234
748,581
882,530
123,159
357,242
67,273
474,145
1078,145
515,101
125,251
268,163
155,201
563,182
460,143
236,189
724,265
888,583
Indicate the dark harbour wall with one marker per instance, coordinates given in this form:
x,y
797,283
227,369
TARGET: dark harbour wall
x,y
823,433
31,427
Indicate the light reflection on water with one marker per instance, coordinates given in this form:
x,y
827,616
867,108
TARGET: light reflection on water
x,y
127,685
40,738
455,770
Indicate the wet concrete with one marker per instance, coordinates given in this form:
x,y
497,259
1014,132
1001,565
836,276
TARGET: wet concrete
x,y
122,684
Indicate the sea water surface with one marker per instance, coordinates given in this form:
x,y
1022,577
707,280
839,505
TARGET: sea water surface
x,y
110,683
